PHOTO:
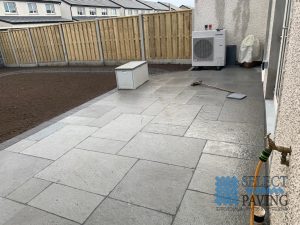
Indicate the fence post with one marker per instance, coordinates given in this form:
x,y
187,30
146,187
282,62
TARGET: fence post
x,y
13,47
141,28
100,49
62,38
32,46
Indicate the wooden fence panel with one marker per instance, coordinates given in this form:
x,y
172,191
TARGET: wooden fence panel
x,y
120,38
168,35
47,44
6,49
81,41
22,45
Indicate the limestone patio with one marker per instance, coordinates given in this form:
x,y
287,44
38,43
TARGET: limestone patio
x,y
141,157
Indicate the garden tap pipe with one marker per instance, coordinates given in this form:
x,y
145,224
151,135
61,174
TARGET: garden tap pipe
x,y
262,159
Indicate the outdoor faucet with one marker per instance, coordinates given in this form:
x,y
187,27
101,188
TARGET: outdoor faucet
x,y
284,150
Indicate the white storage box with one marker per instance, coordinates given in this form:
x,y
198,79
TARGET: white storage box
x,y
132,75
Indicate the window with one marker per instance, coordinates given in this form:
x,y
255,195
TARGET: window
x,y
50,9
114,12
104,12
135,12
32,7
80,11
93,11
129,11
10,7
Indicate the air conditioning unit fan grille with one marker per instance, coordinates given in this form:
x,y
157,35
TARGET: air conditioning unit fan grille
x,y
203,49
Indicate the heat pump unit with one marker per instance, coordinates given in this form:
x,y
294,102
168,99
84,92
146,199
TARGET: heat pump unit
x,y
209,48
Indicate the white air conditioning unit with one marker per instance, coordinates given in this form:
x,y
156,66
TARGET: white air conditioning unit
x,y
209,48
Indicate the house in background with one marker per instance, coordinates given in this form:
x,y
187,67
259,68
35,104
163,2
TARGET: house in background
x,y
184,7
132,7
29,13
155,6
170,6
89,9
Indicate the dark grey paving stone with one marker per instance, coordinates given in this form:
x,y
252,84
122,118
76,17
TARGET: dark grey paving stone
x,y
232,150
245,111
32,216
67,202
179,151
29,190
16,169
181,115
209,112
211,166
154,185
90,171
112,212
200,209
8,209
240,133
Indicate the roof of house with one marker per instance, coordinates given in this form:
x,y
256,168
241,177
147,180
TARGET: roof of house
x,y
100,3
173,7
185,7
32,19
154,5
131,4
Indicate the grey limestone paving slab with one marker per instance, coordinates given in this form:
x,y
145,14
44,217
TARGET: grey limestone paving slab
x,y
155,108
94,111
46,132
211,166
20,146
246,110
180,82
216,99
16,169
209,112
67,202
181,115
90,171
102,145
183,97
78,120
124,127
232,150
168,90
240,133
200,209
154,185
29,190
32,216
106,118
159,128
179,151
8,209
112,212
57,144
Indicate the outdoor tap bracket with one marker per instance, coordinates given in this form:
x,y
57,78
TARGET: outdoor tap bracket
x,y
285,152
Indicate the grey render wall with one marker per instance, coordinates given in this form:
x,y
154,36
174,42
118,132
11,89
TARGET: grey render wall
x,y
239,17
288,123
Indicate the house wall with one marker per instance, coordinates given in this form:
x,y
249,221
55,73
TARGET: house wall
x,y
239,17
74,10
288,123
65,10
22,9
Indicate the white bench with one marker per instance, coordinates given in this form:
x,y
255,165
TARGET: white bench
x,y
132,75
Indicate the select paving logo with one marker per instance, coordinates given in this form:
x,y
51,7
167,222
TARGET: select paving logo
x,y
233,193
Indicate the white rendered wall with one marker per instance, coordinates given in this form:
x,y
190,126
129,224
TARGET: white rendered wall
x,y
98,9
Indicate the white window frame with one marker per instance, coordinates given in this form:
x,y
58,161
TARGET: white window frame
x,y
114,12
93,11
34,9
135,12
51,9
7,5
129,12
81,11
104,12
